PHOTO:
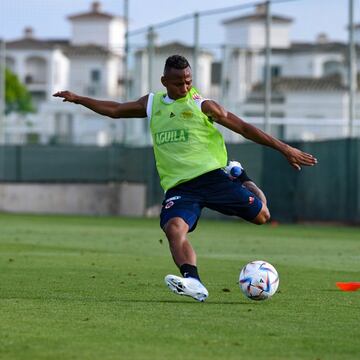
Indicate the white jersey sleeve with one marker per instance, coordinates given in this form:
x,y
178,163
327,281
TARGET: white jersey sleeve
x,y
149,105
199,102
198,99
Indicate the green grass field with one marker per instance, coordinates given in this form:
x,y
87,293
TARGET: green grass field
x,y
92,288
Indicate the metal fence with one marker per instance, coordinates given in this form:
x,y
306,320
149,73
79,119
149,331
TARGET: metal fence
x,y
243,56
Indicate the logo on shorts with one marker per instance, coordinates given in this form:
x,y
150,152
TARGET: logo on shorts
x,y
170,201
169,204
173,198
251,199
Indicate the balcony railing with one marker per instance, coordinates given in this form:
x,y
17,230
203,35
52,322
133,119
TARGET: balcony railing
x,y
33,79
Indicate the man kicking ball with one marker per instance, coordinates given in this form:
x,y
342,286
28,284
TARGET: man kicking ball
x,y
190,156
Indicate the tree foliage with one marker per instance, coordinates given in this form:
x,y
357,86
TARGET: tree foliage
x,y
17,97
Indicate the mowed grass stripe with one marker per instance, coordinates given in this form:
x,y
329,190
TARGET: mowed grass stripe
x,y
92,288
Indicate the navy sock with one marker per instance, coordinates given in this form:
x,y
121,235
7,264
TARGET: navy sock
x,y
188,270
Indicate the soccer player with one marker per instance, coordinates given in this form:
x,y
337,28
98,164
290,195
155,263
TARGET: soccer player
x,y
190,157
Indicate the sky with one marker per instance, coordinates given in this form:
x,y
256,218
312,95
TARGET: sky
x,y
49,17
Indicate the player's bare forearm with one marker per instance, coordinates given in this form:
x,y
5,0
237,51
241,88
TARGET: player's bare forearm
x,y
234,123
107,108
251,132
295,157
112,109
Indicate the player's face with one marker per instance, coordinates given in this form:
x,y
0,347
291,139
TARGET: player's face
x,y
177,82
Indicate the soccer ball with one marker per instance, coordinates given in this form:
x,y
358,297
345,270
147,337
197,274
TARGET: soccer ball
x,y
258,280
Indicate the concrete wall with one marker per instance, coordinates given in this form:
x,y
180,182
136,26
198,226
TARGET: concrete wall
x,y
127,199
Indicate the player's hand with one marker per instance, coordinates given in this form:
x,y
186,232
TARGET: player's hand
x,y
297,158
67,96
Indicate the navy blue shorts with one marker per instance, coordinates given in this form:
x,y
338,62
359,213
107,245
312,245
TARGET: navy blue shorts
x,y
214,190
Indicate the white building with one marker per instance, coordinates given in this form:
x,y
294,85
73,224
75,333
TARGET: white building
x,y
89,63
161,53
249,31
309,80
42,65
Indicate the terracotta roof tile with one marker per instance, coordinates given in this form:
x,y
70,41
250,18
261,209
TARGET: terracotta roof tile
x,y
258,17
36,44
78,50
68,49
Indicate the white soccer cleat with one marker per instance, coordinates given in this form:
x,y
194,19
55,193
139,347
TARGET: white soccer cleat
x,y
187,286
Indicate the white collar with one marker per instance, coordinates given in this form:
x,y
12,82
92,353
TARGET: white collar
x,y
168,100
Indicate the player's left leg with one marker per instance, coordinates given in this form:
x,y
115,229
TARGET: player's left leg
x,y
264,215
246,181
250,185
231,197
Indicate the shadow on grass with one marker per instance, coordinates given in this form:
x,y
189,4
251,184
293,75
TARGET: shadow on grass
x,y
119,300
189,301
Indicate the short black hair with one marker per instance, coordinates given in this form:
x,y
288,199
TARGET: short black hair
x,y
176,62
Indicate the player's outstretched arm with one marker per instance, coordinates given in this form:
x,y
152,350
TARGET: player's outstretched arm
x,y
113,109
295,157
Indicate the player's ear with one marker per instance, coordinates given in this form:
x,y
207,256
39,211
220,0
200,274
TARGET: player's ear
x,y
163,80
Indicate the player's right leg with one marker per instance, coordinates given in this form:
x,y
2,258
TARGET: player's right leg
x,y
187,286
185,258
179,215
176,230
